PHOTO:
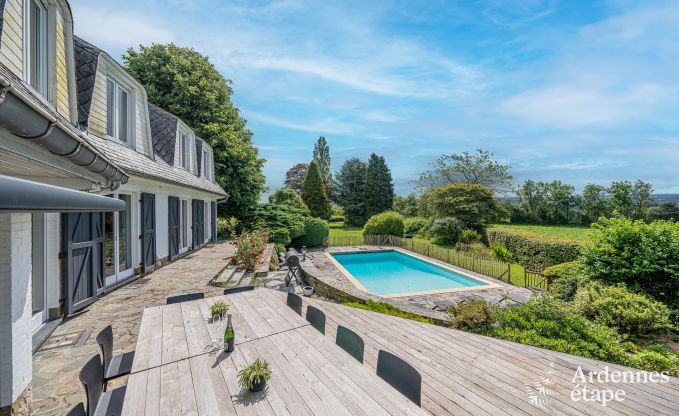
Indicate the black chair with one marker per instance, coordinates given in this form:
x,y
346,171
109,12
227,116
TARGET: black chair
x,y
292,261
185,298
295,302
400,375
316,318
77,410
114,365
99,401
350,342
238,289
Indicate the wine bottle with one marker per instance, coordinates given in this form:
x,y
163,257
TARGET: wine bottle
x,y
229,335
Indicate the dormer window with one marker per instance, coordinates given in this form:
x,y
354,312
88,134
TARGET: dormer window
x,y
119,111
204,164
184,149
36,46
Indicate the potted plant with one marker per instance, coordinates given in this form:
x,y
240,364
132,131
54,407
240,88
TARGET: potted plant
x,y
308,290
218,309
255,376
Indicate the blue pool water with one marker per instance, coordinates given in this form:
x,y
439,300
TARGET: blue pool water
x,y
392,272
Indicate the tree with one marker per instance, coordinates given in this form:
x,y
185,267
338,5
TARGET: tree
x,y
593,203
321,156
406,205
630,200
294,177
531,198
472,204
559,203
314,195
288,196
379,187
667,211
641,198
351,190
478,168
185,83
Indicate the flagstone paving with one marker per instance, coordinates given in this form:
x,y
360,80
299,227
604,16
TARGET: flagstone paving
x,y
56,386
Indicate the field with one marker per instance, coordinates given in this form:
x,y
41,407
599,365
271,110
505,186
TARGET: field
x,y
339,229
575,233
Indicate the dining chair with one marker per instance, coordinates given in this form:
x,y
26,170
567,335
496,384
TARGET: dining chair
x,y
114,365
350,342
400,375
295,302
316,318
100,402
185,298
77,410
232,290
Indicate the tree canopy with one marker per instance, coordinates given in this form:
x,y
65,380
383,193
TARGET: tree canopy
x,y
472,204
351,190
288,196
473,168
313,193
378,193
294,177
185,83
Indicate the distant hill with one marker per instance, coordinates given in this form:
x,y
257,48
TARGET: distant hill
x,y
659,198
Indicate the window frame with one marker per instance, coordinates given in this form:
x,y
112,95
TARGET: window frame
x,y
113,125
184,157
43,78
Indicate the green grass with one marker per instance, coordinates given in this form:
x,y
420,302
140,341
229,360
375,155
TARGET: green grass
x,y
387,309
568,232
339,229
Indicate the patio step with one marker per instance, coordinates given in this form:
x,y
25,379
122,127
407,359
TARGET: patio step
x,y
226,274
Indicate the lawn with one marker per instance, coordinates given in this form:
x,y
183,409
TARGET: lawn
x,y
339,229
568,232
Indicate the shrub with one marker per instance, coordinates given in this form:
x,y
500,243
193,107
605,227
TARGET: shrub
x,y
472,204
280,248
413,225
470,236
273,216
446,230
565,279
476,249
226,227
315,232
288,196
386,223
535,252
249,246
616,307
500,252
336,219
337,211
650,360
280,236
469,315
640,255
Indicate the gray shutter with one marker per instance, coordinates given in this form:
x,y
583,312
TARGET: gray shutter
x,y
173,223
83,267
148,236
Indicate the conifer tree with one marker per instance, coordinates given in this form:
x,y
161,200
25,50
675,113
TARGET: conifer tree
x,y
313,193
351,186
379,187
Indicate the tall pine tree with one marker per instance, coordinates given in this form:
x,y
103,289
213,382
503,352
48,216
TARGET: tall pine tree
x,y
321,156
351,186
314,195
378,194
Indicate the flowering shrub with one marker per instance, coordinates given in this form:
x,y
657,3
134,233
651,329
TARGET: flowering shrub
x,y
249,246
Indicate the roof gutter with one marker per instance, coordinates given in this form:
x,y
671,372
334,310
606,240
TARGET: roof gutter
x,y
24,119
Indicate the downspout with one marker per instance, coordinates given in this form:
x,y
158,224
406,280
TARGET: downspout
x,y
25,119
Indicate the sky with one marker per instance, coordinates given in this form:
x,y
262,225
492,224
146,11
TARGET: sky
x,y
581,91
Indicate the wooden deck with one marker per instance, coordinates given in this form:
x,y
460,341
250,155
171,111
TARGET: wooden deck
x,y
469,374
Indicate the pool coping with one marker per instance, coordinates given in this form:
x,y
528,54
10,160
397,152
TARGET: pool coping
x,y
488,284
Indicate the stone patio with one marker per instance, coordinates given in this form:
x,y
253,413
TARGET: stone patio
x,y
56,386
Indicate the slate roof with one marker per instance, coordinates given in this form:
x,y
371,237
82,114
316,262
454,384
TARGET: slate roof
x,y
86,57
163,132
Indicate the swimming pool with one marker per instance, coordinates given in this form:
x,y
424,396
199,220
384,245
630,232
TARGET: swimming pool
x,y
394,273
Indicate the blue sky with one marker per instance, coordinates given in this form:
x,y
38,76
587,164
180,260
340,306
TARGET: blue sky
x,y
582,91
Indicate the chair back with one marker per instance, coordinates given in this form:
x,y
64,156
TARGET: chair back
x,y
350,342
292,262
316,318
77,410
400,375
185,298
105,341
91,377
295,302
232,290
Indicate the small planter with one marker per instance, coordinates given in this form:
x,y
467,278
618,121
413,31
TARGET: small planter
x,y
258,385
308,290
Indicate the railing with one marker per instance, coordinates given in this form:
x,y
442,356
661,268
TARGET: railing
x,y
535,280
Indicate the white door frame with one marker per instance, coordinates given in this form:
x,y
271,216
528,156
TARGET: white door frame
x,y
120,275
41,317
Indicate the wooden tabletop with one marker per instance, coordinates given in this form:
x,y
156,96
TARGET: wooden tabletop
x,y
171,333
310,374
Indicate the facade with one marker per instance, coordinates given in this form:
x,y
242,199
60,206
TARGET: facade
x,y
70,116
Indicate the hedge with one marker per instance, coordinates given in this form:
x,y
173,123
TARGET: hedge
x,y
535,252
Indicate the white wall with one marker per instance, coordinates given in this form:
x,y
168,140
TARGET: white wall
x,y
16,364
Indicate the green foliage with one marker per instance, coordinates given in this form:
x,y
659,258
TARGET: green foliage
x,y
640,255
406,205
535,252
500,252
280,236
476,249
566,232
476,169
566,278
446,230
470,315
315,232
288,196
559,271
218,308
469,236
668,211
351,190
616,307
378,192
472,204
413,225
185,83
274,216
630,199
594,203
313,193
387,309
321,156
337,211
294,177
280,248
226,227
249,246
546,202
386,223
651,360
254,374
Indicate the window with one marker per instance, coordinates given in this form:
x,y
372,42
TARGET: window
x,y
184,149
118,112
36,46
205,163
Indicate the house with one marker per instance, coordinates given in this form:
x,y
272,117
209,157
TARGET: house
x,y
97,186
